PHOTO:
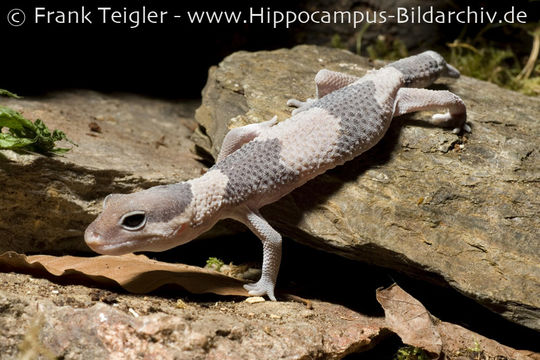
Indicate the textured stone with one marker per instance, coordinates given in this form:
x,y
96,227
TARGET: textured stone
x,y
46,202
38,317
461,211
72,323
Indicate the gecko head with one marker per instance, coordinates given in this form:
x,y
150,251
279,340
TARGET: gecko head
x,y
155,219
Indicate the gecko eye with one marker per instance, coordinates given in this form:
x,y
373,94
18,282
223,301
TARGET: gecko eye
x,y
134,220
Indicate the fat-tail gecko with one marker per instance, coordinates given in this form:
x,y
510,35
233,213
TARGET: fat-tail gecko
x,y
260,163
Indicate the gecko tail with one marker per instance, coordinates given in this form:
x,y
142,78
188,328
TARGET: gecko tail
x,y
423,69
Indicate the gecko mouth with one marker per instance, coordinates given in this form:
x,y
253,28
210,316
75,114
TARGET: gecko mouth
x,y
96,242
113,249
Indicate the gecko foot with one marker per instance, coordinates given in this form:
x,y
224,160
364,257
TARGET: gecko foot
x,y
457,122
261,288
300,105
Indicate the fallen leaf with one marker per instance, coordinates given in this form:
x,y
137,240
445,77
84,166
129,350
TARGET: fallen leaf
x,y
409,319
135,273
412,322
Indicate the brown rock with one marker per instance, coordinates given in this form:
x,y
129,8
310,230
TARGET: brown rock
x,y
44,321
38,317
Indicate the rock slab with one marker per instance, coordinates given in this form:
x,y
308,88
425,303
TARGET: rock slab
x,y
459,210
38,317
126,143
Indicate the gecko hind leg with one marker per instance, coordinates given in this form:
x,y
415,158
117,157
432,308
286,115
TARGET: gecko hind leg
x,y
326,81
416,99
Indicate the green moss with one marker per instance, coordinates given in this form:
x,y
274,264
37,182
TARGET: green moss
x,y
387,48
531,86
411,353
214,263
480,55
476,348
6,93
486,60
498,66
336,42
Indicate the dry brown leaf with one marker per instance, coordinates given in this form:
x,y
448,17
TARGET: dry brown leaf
x,y
135,273
409,319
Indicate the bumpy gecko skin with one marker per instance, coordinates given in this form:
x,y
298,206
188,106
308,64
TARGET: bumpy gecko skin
x,y
261,163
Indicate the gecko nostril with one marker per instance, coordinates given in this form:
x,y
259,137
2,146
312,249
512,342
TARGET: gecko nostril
x,y
92,237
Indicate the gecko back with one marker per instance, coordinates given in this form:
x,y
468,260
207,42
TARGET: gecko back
x,y
327,132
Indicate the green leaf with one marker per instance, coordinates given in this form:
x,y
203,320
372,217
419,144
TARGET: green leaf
x,y
8,141
4,92
41,129
11,119
60,150
23,134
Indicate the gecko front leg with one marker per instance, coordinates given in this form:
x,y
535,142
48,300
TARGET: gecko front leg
x,y
271,241
237,137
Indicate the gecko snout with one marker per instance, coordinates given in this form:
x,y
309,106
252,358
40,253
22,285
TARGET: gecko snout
x,y
93,239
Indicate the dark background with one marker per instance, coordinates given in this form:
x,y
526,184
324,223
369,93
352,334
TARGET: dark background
x,y
171,60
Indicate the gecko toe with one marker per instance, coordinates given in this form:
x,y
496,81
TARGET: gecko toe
x,y
294,102
464,128
300,105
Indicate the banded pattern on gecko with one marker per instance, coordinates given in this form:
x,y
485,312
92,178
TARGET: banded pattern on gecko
x,y
260,163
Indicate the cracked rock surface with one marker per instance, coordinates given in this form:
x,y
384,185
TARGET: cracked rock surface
x,y
38,317
458,210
